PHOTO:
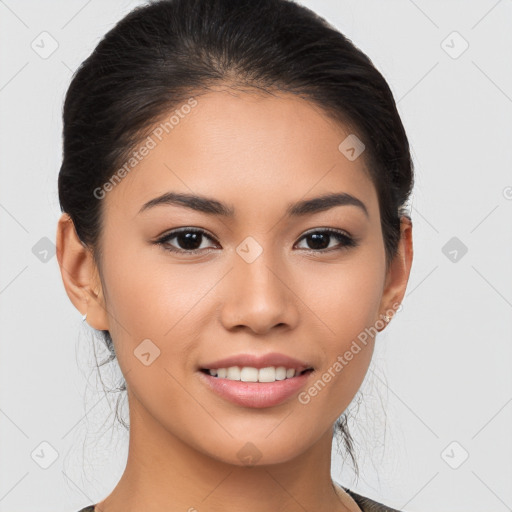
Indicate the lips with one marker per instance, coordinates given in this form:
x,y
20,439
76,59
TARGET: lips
x,y
258,361
255,394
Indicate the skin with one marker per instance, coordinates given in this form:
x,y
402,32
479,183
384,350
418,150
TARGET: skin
x,y
256,153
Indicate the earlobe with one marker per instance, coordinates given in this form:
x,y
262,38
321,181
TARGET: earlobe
x,y
79,274
398,273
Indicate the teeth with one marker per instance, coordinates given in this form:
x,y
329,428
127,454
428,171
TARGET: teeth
x,y
249,374
234,373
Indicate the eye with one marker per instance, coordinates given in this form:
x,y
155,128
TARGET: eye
x,y
188,238
320,240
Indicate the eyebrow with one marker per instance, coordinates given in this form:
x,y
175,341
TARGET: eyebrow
x,y
213,207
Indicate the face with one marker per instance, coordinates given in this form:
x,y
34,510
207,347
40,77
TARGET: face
x,y
264,279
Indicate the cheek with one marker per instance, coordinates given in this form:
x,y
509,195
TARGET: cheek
x,y
345,296
152,323
142,293
345,299
149,300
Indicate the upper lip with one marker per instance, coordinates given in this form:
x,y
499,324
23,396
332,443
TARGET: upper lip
x,y
258,361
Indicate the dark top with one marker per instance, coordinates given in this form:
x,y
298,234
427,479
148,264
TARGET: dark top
x,y
365,504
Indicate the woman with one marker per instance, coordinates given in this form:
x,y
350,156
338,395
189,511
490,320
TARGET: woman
x,y
233,190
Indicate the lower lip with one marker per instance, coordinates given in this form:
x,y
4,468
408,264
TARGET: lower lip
x,y
255,394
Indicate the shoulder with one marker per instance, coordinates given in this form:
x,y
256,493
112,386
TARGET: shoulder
x,y
367,504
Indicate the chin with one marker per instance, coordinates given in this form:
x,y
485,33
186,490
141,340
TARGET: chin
x,y
262,451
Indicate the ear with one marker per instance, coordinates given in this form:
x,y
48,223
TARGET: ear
x,y
399,271
80,274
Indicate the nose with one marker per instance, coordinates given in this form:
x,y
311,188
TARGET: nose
x,y
259,296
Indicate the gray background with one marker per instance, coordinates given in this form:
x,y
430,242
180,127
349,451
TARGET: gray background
x,y
439,388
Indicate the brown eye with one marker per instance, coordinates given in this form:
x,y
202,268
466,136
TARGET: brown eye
x,y
188,240
320,240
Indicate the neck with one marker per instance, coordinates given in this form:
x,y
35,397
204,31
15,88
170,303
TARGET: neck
x,y
165,474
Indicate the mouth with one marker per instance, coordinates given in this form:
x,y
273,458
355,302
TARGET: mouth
x,y
255,388
260,375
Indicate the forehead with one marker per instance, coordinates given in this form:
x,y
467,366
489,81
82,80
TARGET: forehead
x,y
246,149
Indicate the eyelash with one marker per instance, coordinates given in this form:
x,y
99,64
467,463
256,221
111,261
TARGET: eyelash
x,y
348,241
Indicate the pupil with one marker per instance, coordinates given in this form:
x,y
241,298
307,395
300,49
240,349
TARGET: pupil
x,y
189,240
317,238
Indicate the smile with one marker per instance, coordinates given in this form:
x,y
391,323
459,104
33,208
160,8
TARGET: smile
x,y
251,374
255,393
